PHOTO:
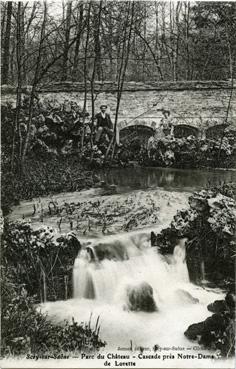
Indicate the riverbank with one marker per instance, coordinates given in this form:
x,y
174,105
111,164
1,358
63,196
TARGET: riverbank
x,y
101,211
67,174
56,162
44,177
113,222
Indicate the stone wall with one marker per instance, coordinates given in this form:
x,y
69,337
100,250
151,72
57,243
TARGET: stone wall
x,y
198,104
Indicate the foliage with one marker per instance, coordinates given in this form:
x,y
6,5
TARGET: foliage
x,y
55,129
38,260
42,178
25,330
189,152
209,225
56,132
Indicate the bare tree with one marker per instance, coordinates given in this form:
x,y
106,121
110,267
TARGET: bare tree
x,y
78,42
17,129
85,75
97,56
231,63
128,27
34,85
187,49
6,47
67,41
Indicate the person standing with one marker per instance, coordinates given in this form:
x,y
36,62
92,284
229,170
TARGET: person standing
x,y
166,123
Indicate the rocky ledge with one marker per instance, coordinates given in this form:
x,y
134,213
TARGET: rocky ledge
x,y
217,331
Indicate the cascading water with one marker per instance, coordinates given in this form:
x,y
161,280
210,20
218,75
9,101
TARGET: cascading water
x,y
112,277
106,279
139,295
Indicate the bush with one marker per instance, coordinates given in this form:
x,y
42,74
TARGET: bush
x,y
53,126
43,264
42,178
189,152
25,330
209,225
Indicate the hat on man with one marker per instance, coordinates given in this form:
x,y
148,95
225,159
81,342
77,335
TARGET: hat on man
x,y
103,106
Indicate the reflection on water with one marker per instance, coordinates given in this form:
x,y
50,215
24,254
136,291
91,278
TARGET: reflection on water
x,y
167,178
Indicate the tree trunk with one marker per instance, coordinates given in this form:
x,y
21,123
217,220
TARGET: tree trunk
x,y
186,16
3,20
66,45
97,57
6,47
157,42
123,67
85,77
34,86
97,45
230,95
77,45
176,56
19,87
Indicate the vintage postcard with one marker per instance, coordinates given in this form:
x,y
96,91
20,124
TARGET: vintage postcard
x,y
118,132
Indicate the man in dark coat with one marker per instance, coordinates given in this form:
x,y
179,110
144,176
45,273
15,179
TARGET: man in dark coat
x,y
103,124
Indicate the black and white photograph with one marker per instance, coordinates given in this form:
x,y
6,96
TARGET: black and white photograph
x,y
118,184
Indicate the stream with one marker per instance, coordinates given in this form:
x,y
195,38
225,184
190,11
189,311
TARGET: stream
x,y
102,284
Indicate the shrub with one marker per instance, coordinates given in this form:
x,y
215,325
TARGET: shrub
x,y
42,178
38,260
209,225
189,152
25,330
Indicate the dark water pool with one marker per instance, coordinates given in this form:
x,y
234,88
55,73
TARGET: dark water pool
x,y
167,178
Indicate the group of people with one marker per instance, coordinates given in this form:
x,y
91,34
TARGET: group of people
x,y
103,125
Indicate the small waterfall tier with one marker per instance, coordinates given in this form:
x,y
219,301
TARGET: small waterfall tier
x,y
128,270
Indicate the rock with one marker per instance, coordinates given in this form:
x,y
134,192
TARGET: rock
x,y
115,250
153,239
214,323
194,330
140,298
185,296
230,300
216,332
165,241
217,306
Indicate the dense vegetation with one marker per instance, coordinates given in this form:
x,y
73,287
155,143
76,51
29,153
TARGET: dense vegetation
x,y
43,178
39,260
37,266
100,41
53,163
61,154
191,152
185,152
25,330
209,225
81,40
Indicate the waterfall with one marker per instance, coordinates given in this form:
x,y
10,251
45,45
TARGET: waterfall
x,y
179,261
203,273
103,270
137,293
